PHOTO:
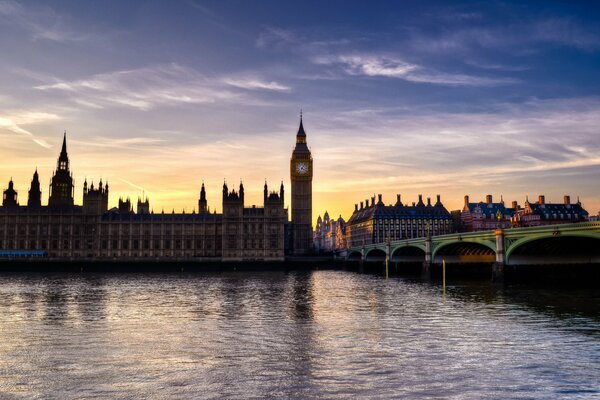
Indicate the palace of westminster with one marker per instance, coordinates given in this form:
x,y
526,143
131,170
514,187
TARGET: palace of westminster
x,y
63,230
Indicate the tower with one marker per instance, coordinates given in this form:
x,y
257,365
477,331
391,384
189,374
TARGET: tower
x,y
61,186
301,174
95,201
202,205
35,193
9,198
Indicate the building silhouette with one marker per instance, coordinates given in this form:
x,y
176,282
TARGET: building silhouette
x,y
301,174
64,230
61,185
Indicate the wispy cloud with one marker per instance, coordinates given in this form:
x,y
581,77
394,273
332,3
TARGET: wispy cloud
x,y
42,23
143,88
14,121
256,83
522,37
393,67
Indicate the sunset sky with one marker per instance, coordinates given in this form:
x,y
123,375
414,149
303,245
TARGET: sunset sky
x,y
398,97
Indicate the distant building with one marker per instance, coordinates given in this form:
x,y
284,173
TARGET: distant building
x,y
330,234
542,213
483,216
376,222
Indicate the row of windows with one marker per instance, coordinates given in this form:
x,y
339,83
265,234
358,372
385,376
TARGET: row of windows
x,y
114,244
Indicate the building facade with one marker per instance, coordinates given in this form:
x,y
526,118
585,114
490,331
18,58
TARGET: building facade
x,y
542,213
330,234
374,222
91,230
488,215
484,216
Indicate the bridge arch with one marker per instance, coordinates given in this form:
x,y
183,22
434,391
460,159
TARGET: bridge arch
x,y
555,248
375,254
354,256
408,253
465,251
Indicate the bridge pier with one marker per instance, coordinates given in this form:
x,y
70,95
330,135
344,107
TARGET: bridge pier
x,y
498,265
426,269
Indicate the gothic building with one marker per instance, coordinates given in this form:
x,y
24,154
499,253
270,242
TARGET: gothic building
x,y
61,185
63,230
9,197
301,174
253,233
35,193
330,234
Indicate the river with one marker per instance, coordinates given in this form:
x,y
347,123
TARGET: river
x,y
295,334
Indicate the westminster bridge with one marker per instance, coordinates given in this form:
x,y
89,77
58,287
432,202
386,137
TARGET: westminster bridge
x,y
568,244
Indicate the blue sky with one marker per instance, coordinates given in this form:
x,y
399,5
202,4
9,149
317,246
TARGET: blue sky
x,y
398,97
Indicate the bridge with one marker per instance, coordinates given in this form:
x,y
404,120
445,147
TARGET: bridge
x,y
577,243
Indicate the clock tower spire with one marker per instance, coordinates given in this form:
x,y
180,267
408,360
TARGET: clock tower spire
x,y
301,173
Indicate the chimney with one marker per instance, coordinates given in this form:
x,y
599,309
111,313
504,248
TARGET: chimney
x,y
567,199
398,201
379,199
515,205
355,207
541,199
373,201
361,205
488,199
466,200
429,202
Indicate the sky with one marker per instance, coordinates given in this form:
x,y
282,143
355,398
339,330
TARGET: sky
x,y
448,98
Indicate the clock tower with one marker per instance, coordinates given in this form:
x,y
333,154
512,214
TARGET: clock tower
x,y
301,173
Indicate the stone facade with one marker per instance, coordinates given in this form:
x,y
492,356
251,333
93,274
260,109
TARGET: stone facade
x,y
301,174
330,234
542,213
483,216
376,222
67,231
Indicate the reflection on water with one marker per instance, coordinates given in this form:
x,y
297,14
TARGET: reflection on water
x,y
301,334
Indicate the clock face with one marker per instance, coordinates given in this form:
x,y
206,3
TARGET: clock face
x,y
302,168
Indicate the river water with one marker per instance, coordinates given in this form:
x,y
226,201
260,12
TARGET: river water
x,y
308,334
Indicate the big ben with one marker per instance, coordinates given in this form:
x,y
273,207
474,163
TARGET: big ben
x,y
301,173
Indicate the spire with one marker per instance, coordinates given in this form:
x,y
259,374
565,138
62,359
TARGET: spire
x,y
301,127
64,145
35,174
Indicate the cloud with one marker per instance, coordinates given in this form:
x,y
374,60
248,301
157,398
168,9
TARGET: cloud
x,y
431,148
14,122
42,23
521,37
255,83
393,67
143,88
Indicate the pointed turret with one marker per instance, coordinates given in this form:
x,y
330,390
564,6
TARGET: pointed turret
x,y
202,205
265,192
35,194
281,191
